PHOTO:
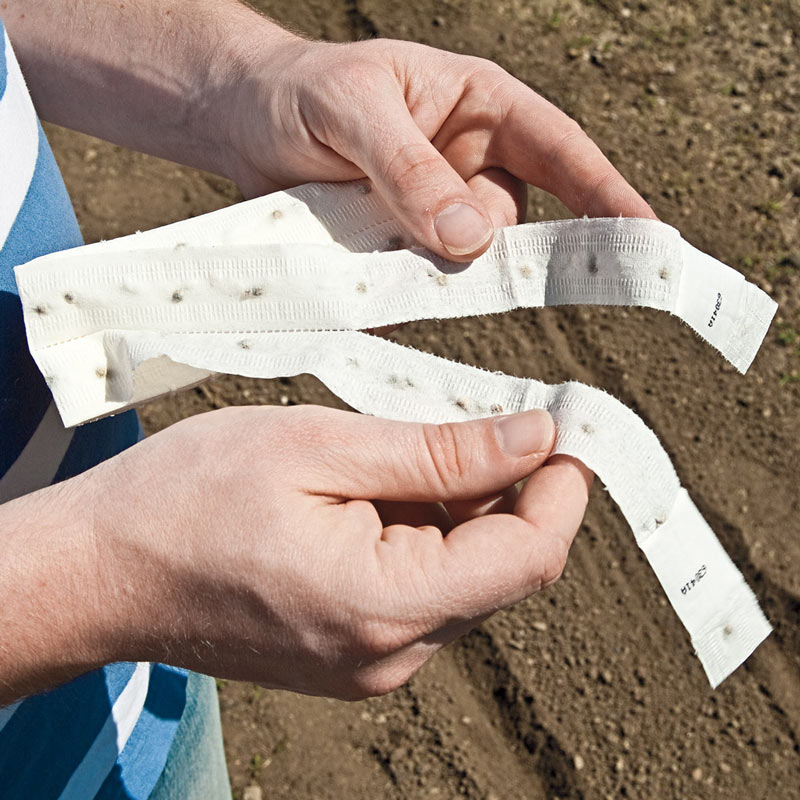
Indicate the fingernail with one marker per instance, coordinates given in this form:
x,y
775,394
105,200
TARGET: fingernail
x,y
461,229
522,434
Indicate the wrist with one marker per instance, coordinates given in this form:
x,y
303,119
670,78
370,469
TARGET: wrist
x,y
261,63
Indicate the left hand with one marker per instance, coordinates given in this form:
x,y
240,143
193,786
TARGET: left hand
x,y
449,141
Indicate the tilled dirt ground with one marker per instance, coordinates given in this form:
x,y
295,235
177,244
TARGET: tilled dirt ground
x,y
589,690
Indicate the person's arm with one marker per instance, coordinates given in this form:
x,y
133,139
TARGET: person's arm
x,y
449,141
244,543
154,76
53,605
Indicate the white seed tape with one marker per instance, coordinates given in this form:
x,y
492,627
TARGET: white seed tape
x,y
282,285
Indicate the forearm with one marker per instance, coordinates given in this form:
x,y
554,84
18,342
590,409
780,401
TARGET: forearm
x,y
54,611
154,76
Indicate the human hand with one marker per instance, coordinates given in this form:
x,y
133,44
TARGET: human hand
x,y
448,141
243,543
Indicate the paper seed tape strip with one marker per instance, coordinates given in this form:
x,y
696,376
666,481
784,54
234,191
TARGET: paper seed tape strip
x,y
285,284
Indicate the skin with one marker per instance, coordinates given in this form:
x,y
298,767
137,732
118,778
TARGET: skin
x,y
322,568
303,549
212,84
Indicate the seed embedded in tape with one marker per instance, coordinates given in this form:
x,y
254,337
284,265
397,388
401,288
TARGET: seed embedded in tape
x,y
441,280
361,287
277,214
395,380
592,263
395,243
244,344
40,309
663,273
69,297
525,271
254,291
496,408
587,428
177,296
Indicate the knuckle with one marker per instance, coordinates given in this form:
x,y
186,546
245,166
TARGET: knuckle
x,y
553,566
486,68
374,684
600,186
413,166
379,640
353,68
379,680
572,138
497,87
443,461
357,76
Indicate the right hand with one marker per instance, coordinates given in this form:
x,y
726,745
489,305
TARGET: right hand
x,y
245,543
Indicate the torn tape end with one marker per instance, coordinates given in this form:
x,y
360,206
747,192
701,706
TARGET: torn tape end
x,y
733,637
747,339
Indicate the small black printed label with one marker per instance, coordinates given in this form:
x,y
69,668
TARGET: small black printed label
x,y
694,580
717,307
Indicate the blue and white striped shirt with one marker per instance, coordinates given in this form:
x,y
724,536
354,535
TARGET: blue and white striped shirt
x,y
107,733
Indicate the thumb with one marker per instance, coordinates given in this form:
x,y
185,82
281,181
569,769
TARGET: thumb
x,y
426,194
367,458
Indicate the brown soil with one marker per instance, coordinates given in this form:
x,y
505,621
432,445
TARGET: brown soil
x,y
697,103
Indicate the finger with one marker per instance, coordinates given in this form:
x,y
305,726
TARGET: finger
x,y
416,515
449,585
341,454
503,196
541,145
554,500
505,199
426,194
392,671
501,503
496,560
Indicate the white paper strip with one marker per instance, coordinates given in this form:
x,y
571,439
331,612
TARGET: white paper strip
x,y
114,324
271,264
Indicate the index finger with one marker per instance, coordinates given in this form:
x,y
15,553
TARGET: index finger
x,y
543,146
496,560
